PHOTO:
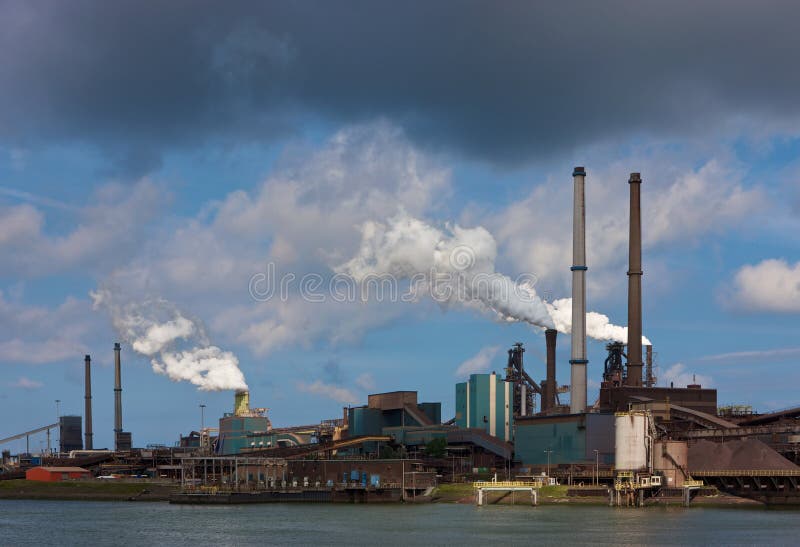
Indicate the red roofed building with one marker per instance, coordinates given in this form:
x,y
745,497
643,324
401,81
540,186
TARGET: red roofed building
x,y
55,474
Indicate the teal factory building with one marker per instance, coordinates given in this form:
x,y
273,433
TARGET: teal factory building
x,y
484,402
399,415
565,439
249,428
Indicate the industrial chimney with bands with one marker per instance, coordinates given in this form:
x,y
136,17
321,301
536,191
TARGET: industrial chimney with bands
x,y
578,362
117,397
87,397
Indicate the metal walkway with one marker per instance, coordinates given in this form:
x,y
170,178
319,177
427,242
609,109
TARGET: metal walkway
x,y
479,437
506,486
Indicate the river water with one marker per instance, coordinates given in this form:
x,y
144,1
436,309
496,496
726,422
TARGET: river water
x,y
160,524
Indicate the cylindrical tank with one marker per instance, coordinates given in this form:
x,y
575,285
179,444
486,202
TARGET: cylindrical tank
x,y
670,459
241,402
630,441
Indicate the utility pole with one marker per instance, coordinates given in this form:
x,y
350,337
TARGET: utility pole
x,y
596,467
58,420
548,451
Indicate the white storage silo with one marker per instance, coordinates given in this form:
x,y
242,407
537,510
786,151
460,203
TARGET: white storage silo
x,y
631,441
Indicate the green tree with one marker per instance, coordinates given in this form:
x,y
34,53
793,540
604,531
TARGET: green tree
x,y
437,448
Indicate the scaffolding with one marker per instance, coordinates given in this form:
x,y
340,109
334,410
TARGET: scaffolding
x,y
213,474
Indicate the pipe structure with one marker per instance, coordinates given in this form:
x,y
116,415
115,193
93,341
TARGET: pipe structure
x,y
549,399
634,377
87,368
578,361
117,396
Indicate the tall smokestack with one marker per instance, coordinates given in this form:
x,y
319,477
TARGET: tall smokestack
x,y
87,414
578,361
634,377
117,396
549,400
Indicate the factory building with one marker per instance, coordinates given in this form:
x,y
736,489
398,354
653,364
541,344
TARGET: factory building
x,y
69,433
573,438
396,409
484,401
396,414
56,474
244,427
247,430
564,439
693,397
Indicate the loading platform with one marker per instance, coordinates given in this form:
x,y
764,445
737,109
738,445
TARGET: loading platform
x,y
770,486
484,487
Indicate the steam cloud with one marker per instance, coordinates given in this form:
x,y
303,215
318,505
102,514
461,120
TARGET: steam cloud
x,y
452,266
177,346
458,265
598,325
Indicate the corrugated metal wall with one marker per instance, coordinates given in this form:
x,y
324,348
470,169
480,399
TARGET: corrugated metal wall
x,y
571,438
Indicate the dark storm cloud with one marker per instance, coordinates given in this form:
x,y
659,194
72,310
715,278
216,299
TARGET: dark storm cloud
x,y
504,81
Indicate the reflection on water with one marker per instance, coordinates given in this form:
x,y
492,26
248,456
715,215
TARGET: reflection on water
x,y
120,523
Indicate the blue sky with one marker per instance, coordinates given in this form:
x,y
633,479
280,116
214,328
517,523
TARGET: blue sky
x,y
158,188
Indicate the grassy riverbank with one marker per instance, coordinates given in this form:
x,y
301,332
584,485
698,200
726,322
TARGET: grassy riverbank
x,y
85,490
558,495
465,493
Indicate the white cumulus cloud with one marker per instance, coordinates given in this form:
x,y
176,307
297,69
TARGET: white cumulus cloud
x,y
26,383
680,205
480,362
680,376
331,391
772,285
366,381
40,334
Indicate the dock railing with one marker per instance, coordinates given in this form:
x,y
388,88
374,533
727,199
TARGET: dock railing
x,y
747,473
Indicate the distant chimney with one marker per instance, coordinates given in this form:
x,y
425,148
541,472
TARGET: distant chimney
x,y
117,397
549,399
241,402
578,362
87,368
634,377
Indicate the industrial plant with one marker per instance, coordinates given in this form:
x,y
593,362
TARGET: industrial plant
x,y
636,443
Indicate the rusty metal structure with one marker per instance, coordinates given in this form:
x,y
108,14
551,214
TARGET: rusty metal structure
x,y
525,388
550,387
649,377
87,366
614,370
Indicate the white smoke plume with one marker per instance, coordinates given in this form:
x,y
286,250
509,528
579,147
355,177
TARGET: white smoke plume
x,y
598,326
453,266
458,265
177,346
